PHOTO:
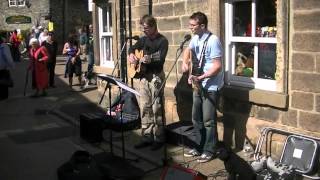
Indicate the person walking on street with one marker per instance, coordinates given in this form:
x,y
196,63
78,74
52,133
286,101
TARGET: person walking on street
x,y
90,55
52,47
15,43
38,65
73,65
6,63
155,47
83,40
205,50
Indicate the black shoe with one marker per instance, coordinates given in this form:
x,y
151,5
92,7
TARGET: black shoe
x,y
142,144
156,145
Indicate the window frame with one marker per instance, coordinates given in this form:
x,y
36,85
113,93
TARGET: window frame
x,y
14,3
230,50
105,36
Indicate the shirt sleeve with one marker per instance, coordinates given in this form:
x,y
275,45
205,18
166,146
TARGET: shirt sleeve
x,y
215,47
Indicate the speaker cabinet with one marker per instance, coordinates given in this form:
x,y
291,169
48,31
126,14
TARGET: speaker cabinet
x,y
91,127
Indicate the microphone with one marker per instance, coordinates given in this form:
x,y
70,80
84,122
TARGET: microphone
x,y
133,37
187,37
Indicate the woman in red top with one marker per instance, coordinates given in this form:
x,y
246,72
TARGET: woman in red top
x,y
38,64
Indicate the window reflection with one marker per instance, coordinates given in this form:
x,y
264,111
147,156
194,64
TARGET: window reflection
x,y
106,19
106,43
267,61
265,18
242,18
244,59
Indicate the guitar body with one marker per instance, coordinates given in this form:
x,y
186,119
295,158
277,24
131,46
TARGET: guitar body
x,y
134,70
195,85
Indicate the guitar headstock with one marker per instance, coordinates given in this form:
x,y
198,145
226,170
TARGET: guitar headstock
x,y
156,56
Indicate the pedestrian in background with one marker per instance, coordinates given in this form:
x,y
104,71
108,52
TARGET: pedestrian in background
x,y
73,64
90,56
52,47
83,40
15,43
43,36
38,66
6,63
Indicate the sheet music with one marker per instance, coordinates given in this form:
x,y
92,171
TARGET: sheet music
x,y
118,82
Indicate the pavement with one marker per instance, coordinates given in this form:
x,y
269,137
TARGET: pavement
x,y
37,135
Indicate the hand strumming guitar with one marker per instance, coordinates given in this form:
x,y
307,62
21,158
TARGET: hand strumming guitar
x,y
133,58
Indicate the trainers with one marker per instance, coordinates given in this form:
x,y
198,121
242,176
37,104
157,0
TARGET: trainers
x,y
205,157
191,153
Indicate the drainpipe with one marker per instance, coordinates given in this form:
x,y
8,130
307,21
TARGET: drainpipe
x,y
122,41
288,48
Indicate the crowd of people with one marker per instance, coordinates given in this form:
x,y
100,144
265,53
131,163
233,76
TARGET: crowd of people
x,y
41,47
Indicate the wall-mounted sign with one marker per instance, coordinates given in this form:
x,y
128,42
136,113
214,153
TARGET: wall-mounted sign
x,y
20,19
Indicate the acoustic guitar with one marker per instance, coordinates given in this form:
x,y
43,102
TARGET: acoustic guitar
x,y
135,70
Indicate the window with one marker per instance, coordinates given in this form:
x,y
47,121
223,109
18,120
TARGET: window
x,y
251,43
13,3
105,35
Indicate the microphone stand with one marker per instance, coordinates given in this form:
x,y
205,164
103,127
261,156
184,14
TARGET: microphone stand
x,y
178,54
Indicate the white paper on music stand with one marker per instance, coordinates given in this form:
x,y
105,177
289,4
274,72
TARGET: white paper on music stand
x,y
119,83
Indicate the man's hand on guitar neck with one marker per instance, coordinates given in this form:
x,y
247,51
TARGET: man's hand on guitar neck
x,y
146,59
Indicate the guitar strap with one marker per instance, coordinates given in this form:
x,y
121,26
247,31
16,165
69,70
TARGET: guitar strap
x,y
204,49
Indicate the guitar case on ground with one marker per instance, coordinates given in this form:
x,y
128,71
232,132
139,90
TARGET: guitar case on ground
x,y
81,166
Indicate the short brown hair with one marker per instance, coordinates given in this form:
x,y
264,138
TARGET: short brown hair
x,y
201,17
149,20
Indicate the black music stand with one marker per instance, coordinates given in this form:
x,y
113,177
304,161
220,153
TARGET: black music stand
x,y
121,85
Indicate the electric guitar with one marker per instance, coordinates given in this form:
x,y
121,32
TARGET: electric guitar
x,y
135,70
190,61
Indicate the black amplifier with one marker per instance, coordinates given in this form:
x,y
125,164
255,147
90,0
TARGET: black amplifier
x,y
91,127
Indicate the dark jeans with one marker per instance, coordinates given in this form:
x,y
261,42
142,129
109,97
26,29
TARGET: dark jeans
x,y
204,119
51,68
90,65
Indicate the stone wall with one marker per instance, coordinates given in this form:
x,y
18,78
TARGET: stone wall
x,y
172,19
36,11
67,15
298,68
301,113
304,69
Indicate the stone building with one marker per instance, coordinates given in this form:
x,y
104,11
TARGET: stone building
x,y
67,15
271,60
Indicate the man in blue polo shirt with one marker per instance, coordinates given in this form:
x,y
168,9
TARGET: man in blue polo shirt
x,y
206,75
